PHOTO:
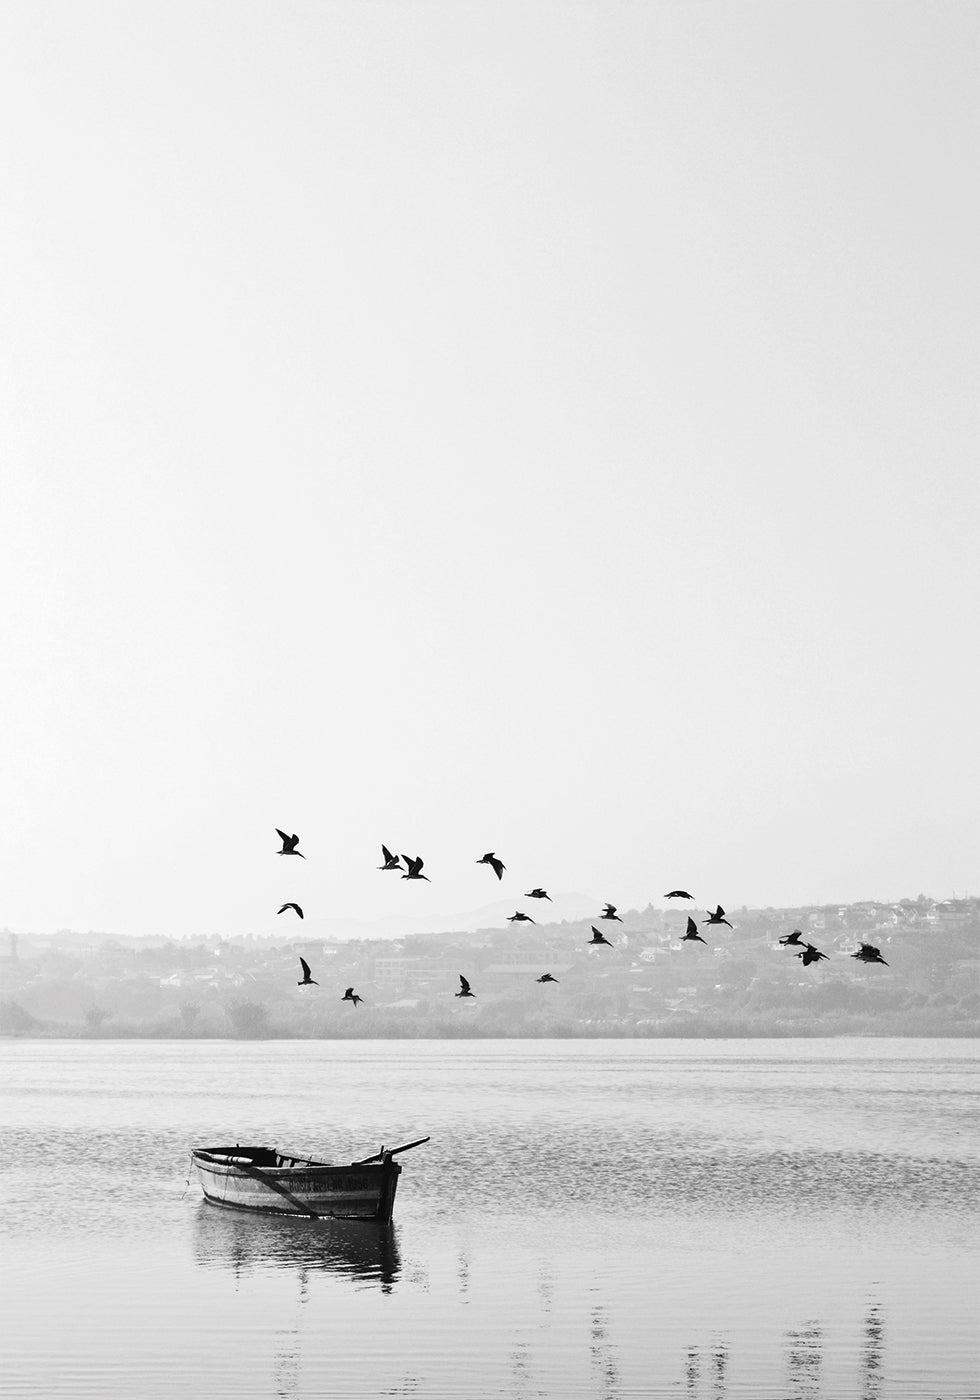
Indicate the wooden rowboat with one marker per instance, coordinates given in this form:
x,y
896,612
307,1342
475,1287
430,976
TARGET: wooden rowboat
x,y
279,1183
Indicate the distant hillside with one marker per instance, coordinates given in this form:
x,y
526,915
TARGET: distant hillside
x,y
648,982
568,906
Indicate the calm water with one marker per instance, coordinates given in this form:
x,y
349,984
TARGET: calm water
x,y
751,1219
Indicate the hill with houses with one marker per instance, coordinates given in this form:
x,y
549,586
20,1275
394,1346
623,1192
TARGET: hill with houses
x,y
743,982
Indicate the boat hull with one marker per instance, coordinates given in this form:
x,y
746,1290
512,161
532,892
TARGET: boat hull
x,y
263,1180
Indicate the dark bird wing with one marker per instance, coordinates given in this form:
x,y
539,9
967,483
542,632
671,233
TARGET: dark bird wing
x,y
389,859
348,994
499,868
691,925
464,985
719,912
282,834
305,966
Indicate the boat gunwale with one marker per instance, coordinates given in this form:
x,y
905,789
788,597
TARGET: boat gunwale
x,y
224,1164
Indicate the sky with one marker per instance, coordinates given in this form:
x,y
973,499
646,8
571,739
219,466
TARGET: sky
x,y
540,428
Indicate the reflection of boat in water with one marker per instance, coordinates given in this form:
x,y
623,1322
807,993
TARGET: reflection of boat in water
x,y
271,1182
359,1249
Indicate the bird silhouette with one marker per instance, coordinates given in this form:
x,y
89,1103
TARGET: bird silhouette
x,y
793,940
537,893
350,995
598,938
609,912
498,865
289,844
464,988
414,868
546,977
809,955
519,918
718,917
290,905
868,954
390,862
307,981
678,894
692,934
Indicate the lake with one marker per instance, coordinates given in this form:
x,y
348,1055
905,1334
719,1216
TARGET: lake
x,y
740,1220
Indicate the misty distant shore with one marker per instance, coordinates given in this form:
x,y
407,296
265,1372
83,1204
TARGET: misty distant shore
x,y
741,984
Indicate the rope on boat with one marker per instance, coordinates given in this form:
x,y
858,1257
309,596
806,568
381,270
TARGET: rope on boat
x,y
190,1172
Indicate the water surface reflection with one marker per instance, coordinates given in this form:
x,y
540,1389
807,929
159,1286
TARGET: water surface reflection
x,y
357,1249
874,1345
804,1361
705,1371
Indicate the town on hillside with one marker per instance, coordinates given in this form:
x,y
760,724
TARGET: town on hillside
x,y
646,981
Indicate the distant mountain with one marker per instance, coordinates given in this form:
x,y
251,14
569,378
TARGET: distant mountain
x,y
568,906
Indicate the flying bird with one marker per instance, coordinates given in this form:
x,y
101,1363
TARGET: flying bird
x,y
537,893
390,862
609,912
307,981
678,894
350,995
414,867
810,954
868,954
692,933
289,844
598,938
519,918
290,905
546,977
498,865
464,988
718,917
793,940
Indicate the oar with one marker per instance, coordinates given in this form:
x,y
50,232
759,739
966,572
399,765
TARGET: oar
x,y
389,1152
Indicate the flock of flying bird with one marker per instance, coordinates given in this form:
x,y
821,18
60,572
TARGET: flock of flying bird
x,y
807,953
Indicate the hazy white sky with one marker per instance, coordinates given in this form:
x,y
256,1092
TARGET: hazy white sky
x,y
547,428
